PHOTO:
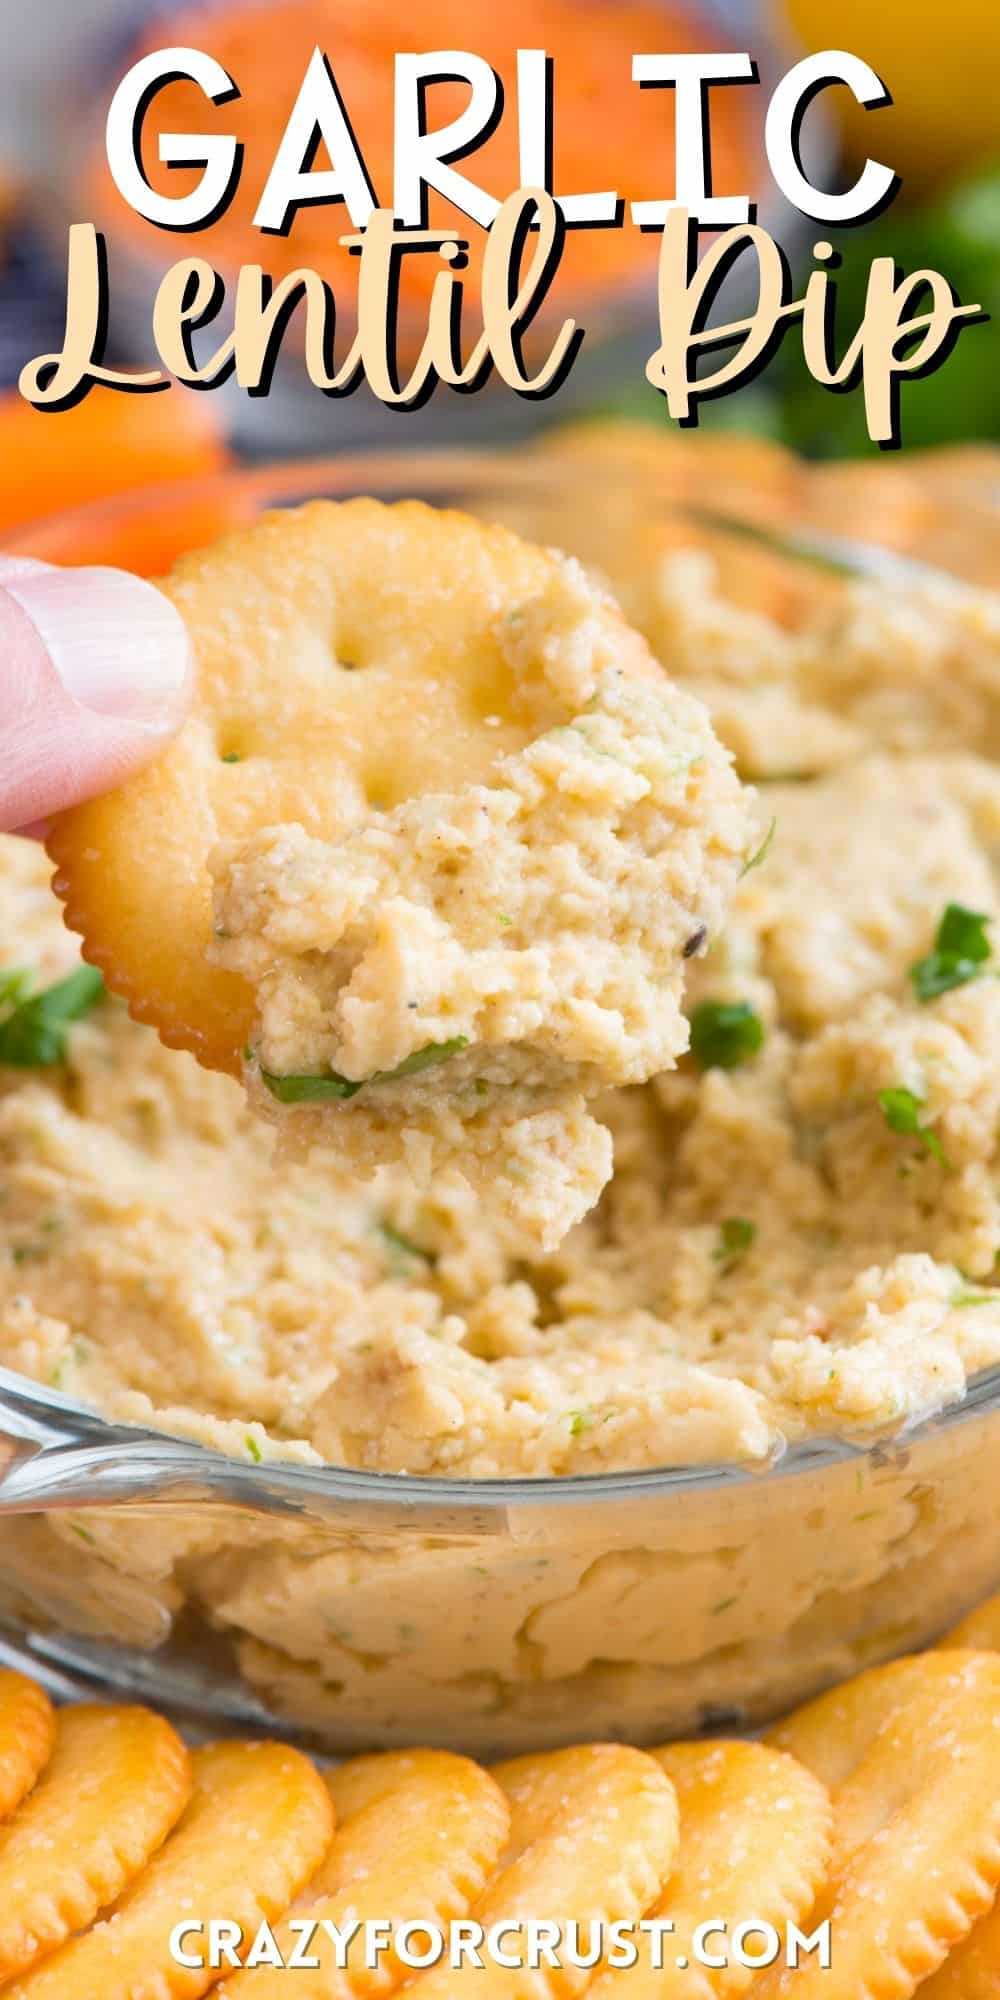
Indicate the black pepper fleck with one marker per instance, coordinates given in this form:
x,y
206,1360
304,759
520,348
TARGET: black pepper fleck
x,y
695,941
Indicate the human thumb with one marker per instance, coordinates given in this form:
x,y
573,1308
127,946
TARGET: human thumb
x,y
95,676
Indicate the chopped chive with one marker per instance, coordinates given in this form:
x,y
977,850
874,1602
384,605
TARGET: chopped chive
x,y
425,1058
330,1086
254,1450
754,860
309,1089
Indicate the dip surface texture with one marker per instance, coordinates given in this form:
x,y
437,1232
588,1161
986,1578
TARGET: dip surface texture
x,y
801,1234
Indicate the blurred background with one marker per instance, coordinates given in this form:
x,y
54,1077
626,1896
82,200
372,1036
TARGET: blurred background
x,y
62,59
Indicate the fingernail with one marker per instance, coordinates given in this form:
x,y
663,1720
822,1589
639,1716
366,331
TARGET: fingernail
x,y
116,643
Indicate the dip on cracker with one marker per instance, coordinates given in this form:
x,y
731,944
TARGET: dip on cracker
x,y
431,859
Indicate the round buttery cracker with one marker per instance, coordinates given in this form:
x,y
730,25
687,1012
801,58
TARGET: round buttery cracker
x,y
350,656
593,1834
831,1733
970,1971
116,1782
259,1822
916,1849
419,1833
755,1834
27,1737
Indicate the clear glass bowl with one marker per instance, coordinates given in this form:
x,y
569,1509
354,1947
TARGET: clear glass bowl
x,y
369,1609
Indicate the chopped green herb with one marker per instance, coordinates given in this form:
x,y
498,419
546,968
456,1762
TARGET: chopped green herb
x,y
323,1089
579,1422
724,1604
482,1088
254,1450
961,950
34,1035
963,932
231,757
736,1235
309,1089
725,1033
401,1245
754,860
973,1298
425,1058
15,985
506,921
901,1110
83,1534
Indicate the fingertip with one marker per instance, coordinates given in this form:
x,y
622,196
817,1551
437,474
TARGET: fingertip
x,y
116,644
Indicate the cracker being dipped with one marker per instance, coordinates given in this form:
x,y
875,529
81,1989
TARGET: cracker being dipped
x,y
428,861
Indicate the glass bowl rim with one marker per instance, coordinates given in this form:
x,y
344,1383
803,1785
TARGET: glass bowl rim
x,y
288,481
79,1447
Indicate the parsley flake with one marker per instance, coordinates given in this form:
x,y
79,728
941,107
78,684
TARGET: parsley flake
x,y
901,1110
725,1033
33,1035
254,1449
736,1236
961,950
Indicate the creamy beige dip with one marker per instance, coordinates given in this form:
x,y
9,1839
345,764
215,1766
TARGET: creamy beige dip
x,y
803,1242
771,1259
